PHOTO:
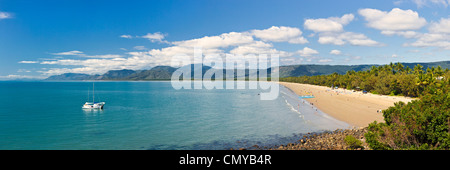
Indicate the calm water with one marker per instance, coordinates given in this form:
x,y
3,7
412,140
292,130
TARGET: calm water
x,y
149,115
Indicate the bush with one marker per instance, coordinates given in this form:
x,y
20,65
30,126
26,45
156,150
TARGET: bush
x,y
352,142
420,124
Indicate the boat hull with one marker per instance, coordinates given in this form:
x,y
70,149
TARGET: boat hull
x,y
93,106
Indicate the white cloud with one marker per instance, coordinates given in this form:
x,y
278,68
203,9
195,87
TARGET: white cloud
x,y
237,43
395,22
251,48
81,54
443,26
126,36
331,31
74,52
323,25
5,15
221,41
438,36
155,37
139,48
406,34
335,52
432,40
28,62
280,34
98,66
307,52
332,24
352,38
331,39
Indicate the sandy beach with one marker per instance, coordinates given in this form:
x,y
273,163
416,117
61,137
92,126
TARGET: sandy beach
x,y
353,107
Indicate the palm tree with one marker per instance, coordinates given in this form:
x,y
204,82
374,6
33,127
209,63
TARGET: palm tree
x,y
418,69
408,70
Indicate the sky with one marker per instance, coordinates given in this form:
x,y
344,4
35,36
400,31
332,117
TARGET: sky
x,y
50,37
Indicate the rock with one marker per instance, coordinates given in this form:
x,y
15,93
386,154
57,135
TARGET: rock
x,y
329,140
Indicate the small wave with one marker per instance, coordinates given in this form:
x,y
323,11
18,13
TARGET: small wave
x,y
292,107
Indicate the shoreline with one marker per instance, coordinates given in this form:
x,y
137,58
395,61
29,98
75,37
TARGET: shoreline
x,y
353,107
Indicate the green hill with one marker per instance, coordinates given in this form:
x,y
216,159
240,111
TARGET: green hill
x,y
165,72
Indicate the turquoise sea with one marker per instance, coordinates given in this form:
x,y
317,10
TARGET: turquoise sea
x,y
150,115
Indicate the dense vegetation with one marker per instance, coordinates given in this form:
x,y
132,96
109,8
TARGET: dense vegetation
x,y
392,79
420,124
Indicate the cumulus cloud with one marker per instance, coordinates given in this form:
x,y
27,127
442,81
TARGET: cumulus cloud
x,y
352,38
433,40
239,44
335,52
155,37
438,35
332,24
406,34
331,31
306,52
97,66
443,26
395,22
221,41
280,34
257,47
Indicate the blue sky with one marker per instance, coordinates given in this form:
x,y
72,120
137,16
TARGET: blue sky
x,y
43,38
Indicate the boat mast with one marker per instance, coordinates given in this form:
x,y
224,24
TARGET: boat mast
x,y
93,93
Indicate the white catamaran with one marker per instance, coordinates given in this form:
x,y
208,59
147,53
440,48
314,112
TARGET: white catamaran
x,y
93,104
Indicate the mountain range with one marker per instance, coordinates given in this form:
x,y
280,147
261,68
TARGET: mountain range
x,y
165,72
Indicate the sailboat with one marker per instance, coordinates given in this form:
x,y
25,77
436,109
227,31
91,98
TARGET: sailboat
x,y
93,104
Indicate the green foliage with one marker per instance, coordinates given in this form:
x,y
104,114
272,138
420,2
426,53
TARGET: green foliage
x,y
392,79
352,142
373,134
420,124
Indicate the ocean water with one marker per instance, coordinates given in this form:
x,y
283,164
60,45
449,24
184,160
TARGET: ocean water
x,y
150,115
